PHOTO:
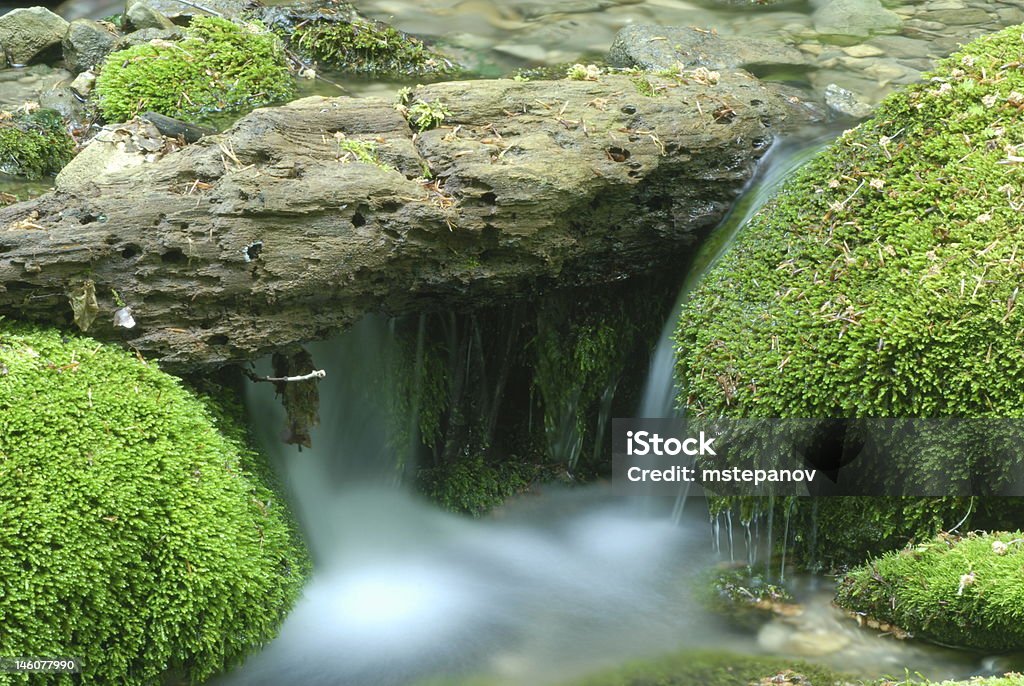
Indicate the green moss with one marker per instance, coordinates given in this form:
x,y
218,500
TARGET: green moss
x,y
697,668
644,86
882,280
425,115
963,592
366,47
472,485
34,145
142,535
747,598
353,150
220,67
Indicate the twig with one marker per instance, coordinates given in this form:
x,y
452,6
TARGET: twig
x,y
315,374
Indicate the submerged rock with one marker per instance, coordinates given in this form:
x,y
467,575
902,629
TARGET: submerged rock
x,y
656,48
854,19
30,34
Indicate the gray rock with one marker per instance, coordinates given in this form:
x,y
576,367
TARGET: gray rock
x,y
3,57
29,34
113,150
147,35
142,16
1010,15
87,43
84,83
854,19
664,47
846,102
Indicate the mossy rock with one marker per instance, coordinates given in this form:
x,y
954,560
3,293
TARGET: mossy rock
x,y
746,598
219,68
143,534
363,46
882,281
34,144
963,592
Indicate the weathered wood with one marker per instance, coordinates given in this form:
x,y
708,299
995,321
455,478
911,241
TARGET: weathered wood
x,y
272,234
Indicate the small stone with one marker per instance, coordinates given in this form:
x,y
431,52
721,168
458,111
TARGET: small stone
x,y
86,44
30,34
846,102
901,46
142,16
84,83
925,25
863,50
64,100
526,52
1009,16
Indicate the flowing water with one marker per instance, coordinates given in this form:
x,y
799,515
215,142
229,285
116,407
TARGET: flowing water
x,y
554,585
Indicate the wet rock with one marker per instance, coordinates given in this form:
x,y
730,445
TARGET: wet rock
x,y
84,83
87,43
779,636
846,102
3,57
854,19
142,16
30,35
656,48
67,103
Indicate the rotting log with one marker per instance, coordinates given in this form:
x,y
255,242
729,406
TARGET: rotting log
x,y
275,233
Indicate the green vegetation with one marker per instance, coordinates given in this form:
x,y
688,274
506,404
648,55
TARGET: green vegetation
x,y
366,47
583,72
144,535
644,86
33,144
472,485
698,668
747,598
882,280
220,67
425,115
353,150
963,592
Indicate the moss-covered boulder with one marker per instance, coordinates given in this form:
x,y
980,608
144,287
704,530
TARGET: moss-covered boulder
x,y
220,67
140,531
965,592
33,144
883,280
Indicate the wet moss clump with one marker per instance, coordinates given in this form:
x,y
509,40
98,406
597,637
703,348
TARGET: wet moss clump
x,y
34,144
882,281
366,47
142,534
474,486
220,67
964,592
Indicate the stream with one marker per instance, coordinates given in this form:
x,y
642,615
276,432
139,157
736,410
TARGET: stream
x,y
554,585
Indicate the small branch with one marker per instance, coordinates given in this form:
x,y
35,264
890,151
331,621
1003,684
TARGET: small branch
x,y
315,374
